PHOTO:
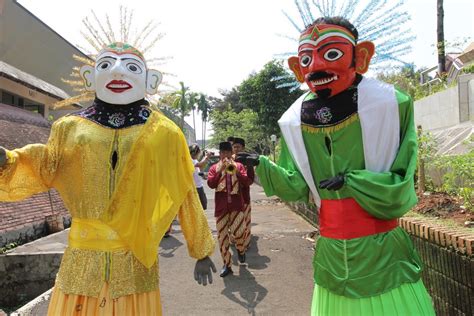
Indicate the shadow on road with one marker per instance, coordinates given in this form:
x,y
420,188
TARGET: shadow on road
x,y
254,259
244,290
168,246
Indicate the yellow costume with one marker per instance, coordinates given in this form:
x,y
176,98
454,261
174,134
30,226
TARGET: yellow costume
x,y
119,214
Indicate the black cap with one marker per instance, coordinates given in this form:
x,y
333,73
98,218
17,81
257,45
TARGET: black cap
x,y
225,146
240,141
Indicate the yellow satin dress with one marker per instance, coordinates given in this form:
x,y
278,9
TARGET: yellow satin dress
x,y
119,215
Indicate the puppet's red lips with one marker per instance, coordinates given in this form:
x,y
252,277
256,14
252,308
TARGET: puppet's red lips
x,y
323,81
118,86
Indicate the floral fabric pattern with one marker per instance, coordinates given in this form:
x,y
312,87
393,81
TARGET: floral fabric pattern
x,y
321,112
117,115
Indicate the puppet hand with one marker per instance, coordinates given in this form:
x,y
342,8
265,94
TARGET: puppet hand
x,y
247,159
3,157
202,271
334,183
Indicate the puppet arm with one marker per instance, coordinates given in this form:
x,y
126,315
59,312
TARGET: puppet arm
x,y
198,237
389,195
31,169
195,227
282,179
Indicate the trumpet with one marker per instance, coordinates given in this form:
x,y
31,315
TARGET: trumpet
x,y
231,169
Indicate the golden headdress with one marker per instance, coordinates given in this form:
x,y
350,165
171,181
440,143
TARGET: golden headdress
x,y
100,35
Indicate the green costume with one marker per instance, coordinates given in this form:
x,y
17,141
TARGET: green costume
x,y
376,265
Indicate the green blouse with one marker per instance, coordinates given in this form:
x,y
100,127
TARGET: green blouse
x,y
370,265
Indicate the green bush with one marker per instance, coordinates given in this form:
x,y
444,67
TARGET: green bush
x,y
457,170
458,178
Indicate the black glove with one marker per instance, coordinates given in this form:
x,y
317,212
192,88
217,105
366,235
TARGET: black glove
x,y
249,160
334,183
203,271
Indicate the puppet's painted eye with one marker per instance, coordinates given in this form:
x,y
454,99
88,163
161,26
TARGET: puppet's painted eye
x,y
103,65
305,60
333,54
136,69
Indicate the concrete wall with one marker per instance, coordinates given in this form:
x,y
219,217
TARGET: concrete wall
x,y
447,108
466,97
25,276
470,87
438,110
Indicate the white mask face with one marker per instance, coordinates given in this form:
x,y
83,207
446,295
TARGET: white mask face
x,y
120,79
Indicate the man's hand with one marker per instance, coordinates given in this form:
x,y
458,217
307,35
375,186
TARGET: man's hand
x,y
202,271
334,183
3,157
249,160
223,166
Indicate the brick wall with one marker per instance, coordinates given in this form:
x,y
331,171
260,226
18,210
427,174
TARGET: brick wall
x,y
447,254
448,257
24,221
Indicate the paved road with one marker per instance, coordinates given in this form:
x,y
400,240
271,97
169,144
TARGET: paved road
x,y
276,280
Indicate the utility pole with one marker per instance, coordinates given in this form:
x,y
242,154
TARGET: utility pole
x,y
440,45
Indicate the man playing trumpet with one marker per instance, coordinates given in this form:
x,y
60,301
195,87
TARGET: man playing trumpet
x,y
227,177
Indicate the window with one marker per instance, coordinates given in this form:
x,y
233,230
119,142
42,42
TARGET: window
x,y
37,108
8,98
22,103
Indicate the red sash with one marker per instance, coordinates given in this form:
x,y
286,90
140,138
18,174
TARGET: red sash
x,y
346,219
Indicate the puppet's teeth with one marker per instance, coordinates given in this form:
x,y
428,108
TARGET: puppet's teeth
x,y
118,86
324,81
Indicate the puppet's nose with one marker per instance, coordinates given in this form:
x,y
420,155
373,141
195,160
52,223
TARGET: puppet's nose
x,y
118,69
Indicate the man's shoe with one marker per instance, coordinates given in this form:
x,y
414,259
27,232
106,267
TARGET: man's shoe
x,y
241,257
225,271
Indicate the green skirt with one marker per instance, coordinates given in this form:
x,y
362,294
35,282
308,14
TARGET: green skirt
x,y
407,299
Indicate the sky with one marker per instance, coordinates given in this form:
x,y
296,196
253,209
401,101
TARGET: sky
x,y
216,44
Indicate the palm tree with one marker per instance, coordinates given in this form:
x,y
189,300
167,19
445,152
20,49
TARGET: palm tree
x,y
192,102
204,107
181,103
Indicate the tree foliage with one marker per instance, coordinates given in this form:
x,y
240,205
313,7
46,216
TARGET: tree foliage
x,y
204,106
260,93
243,124
183,101
407,79
230,98
251,110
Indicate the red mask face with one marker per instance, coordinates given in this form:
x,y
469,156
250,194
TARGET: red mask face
x,y
326,59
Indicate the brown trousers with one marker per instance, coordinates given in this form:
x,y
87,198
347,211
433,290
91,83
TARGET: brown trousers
x,y
231,223
248,223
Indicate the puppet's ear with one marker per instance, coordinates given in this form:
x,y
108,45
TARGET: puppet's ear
x,y
153,80
88,75
294,64
363,53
